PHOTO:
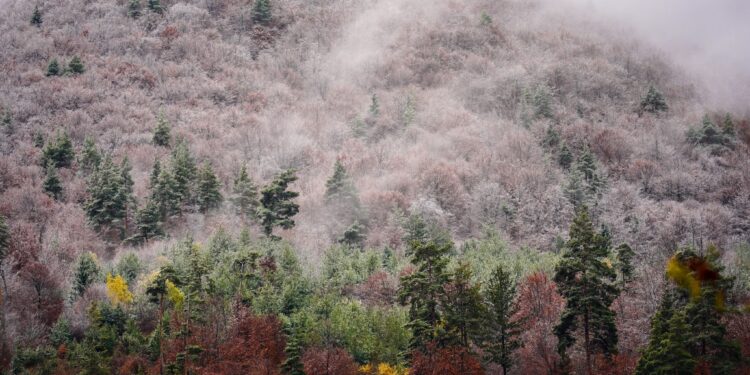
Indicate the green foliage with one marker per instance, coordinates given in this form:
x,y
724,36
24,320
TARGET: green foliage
x,y
624,256
183,172
164,192
585,184
109,197
668,351
374,106
344,266
59,152
36,17
709,135
38,360
52,185
654,101
565,157
551,138
129,267
276,203
354,236
502,328
262,12
148,223
586,280
155,6
208,195
75,66
485,19
423,290
245,194
464,307
90,156
134,8
162,135
86,272
53,68
60,333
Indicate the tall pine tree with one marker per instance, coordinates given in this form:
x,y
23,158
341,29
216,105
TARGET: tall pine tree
x,y
502,328
245,194
277,207
587,281
183,172
208,195
106,206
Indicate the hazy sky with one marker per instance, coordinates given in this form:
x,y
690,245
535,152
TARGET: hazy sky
x,y
709,38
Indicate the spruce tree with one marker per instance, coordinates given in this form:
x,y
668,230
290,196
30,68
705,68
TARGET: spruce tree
x,y
464,307
565,157
134,8
541,101
341,195
183,172
728,127
624,256
75,66
262,12
53,68
86,273
52,185
162,135
587,281
207,194
667,352
423,289
155,6
502,327
374,106
245,194
90,157
276,203
108,197
59,152
654,101
165,195
354,236
153,178
127,188
36,17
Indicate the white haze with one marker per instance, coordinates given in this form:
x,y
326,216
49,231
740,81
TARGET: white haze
x,y
709,39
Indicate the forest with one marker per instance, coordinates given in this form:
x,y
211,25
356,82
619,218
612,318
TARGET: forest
x,y
364,187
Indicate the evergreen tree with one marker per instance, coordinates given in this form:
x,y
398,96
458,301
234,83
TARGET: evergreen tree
x,y
53,69
502,328
183,172
624,255
162,135
354,236
148,223
59,152
341,195
423,289
574,189
463,306
276,203
134,8
551,138
108,197
654,101
262,12
90,157
586,280
38,140
667,352
127,181
36,17
565,157
4,249
165,194
245,194
541,101
153,179
155,6
374,106
728,127
208,195
75,66
86,273
294,346
52,185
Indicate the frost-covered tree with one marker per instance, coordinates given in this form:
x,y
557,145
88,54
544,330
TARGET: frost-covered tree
x,y
653,101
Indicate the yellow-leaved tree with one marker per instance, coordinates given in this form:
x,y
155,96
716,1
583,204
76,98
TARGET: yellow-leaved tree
x,y
117,289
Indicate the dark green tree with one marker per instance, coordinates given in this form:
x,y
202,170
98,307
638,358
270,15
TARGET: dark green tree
x,y
162,131
134,8
341,195
464,307
59,152
107,204
541,101
587,281
208,195
36,17
90,156
127,188
86,272
374,106
277,205
654,101
294,346
423,290
354,236
153,178
164,194
148,223
52,185
502,328
184,172
53,68
245,194
155,6
624,256
565,157
668,351
727,128
551,138
262,12
75,65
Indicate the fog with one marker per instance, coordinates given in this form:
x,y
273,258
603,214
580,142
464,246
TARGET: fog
x,y
710,40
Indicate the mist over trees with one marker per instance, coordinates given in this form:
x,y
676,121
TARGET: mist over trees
x,y
362,187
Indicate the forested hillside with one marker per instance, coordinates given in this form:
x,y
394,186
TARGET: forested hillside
x,y
362,187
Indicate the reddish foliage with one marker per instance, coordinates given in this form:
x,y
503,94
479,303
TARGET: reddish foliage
x,y
540,306
328,361
445,361
378,289
257,347
43,299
